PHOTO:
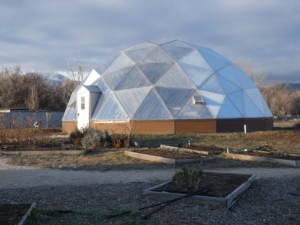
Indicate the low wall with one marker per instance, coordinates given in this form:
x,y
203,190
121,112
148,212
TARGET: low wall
x,y
26,119
177,126
69,126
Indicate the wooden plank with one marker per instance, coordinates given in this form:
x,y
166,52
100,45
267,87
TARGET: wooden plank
x,y
24,218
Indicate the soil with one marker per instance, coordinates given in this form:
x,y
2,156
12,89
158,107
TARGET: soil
x,y
216,184
170,154
10,214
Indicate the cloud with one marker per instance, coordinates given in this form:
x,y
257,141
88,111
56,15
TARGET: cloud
x,y
44,35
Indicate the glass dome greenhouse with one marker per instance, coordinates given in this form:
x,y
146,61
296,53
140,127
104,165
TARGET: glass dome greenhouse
x,y
174,87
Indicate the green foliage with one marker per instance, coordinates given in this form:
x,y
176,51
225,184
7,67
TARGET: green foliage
x,y
188,179
92,138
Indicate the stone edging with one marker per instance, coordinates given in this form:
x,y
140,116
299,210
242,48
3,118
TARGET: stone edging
x,y
159,159
227,201
179,149
287,162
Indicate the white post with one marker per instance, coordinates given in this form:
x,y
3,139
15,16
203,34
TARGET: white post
x,y
245,129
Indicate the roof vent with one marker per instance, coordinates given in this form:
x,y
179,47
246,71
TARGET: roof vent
x,y
198,100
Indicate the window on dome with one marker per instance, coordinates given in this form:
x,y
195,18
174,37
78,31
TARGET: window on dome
x,y
198,100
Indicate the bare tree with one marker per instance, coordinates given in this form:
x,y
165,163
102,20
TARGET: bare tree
x,y
76,71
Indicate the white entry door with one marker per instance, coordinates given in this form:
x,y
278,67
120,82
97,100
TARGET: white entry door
x,y
83,117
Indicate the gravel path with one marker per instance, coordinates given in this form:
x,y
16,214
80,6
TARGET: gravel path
x,y
96,192
25,177
267,202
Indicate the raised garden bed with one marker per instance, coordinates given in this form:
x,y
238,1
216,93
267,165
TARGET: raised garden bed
x,y
200,149
43,147
260,156
222,189
164,156
37,152
15,214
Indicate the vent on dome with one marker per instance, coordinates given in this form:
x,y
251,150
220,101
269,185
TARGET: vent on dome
x,y
198,100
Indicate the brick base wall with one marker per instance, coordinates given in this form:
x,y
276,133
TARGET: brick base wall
x,y
178,126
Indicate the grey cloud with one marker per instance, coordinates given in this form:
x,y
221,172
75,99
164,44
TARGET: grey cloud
x,y
46,34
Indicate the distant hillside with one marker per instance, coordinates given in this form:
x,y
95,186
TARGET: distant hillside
x,y
54,78
294,85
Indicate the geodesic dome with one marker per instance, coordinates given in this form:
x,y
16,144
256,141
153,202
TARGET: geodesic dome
x,y
173,81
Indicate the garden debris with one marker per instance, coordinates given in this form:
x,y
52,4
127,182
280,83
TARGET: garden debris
x,y
161,204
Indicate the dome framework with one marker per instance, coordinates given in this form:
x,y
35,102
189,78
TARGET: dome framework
x,y
174,87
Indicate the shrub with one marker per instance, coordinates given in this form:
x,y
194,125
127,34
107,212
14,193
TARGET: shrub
x,y
91,139
187,179
76,136
120,140
106,140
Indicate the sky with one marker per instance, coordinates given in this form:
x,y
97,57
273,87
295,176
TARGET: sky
x,y
54,35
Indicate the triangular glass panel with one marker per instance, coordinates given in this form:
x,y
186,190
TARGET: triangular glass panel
x,y
211,97
214,110
91,78
133,79
237,98
158,55
140,55
228,86
176,52
175,98
213,101
228,110
113,79
195,59
152,108
192,111
132,99
101,85
110,109
177,43
251,109
154,71
197,74
120,62
215,60
236,76
149,55
70,113
176,77
258,99
212,84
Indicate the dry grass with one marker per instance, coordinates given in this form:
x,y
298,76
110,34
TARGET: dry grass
x,y
285,124
284,140
99,160
26,136
280,140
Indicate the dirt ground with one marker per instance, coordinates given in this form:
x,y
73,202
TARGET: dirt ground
x,y
100,160
284,138
170,154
